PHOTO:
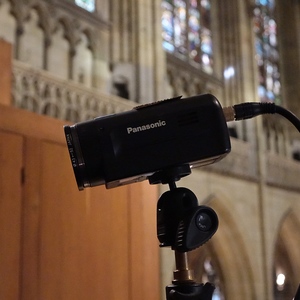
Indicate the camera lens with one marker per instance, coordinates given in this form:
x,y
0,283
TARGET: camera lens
x,y
76,157
85,149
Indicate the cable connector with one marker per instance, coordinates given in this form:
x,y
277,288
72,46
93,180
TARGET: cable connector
x,y
249,110
229,113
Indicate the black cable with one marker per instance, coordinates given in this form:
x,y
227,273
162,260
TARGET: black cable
x,y
297,296
249,110
252,109
289,115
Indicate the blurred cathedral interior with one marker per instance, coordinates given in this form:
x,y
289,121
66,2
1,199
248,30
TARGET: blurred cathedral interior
x,y
68,61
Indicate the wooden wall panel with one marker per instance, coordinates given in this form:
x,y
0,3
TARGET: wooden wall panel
x,y
107,243
6,71
10,213
144,252
95,244
30,270
80,238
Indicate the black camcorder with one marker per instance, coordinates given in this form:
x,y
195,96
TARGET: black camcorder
x,y
131,146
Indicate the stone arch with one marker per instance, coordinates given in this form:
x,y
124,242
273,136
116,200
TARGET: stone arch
x,y
68,29
16,10
229,250
170,83
89,33
72,35
59,52
44,18
45,23
286,253
31,47
197,260
83,61
8,23
277,135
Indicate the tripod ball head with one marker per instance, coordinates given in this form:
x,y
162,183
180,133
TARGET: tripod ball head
x,y
181,223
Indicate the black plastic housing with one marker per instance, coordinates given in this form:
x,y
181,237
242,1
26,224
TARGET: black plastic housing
x,y
128,147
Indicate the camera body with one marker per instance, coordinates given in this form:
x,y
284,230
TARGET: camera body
x,y
130,146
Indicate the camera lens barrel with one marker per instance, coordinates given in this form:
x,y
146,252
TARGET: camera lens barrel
x,y
81,155
76,157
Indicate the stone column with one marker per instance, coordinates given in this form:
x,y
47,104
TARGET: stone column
x,y
289,41
101,73
135,47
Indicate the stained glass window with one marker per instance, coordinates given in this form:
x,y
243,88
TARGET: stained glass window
x,y
186,31
88,5
266,46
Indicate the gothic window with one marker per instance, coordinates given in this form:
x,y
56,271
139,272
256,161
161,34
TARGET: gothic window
x,y
286,260
207,269
186,31
283,288
210,275
88,5
266,47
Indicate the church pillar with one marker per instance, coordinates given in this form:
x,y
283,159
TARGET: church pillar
x,y
135,47
290,57
100,67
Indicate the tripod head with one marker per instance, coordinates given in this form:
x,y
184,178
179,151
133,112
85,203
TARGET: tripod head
x,y
183,225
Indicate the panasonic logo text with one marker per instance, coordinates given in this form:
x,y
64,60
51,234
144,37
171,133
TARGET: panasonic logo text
x,y
157,124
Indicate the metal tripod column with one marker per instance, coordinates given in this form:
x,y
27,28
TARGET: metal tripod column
x,y
183,273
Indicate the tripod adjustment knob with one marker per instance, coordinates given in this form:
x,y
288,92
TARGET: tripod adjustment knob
x,y
196,228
